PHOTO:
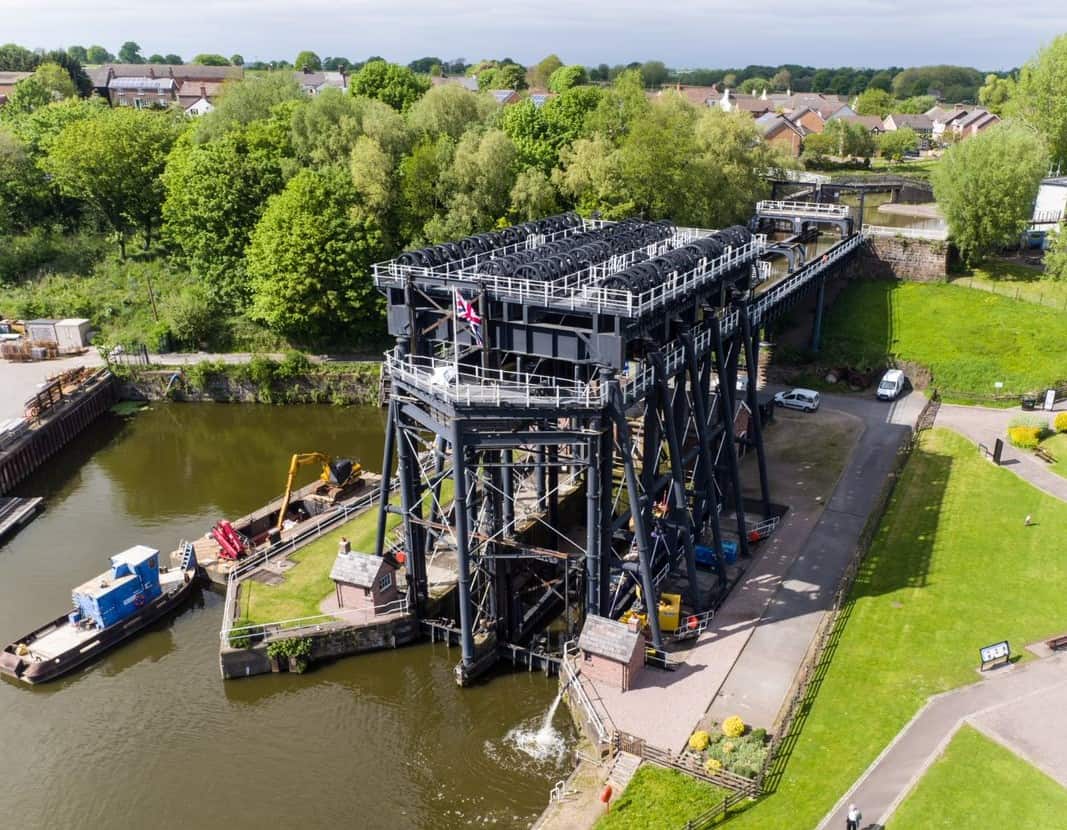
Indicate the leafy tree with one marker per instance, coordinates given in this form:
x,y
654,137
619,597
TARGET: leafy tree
x,y
782,80
211,59
847,139
874,101
624,102
98,54
477,186
954,82
995,93
130,52
309,261
541,72
881,80
307,60
1041,97
505,76
1056,255
78,53
568,114
372,172
24,193
237,59
529,130
916,104
113,163
56,80
896,144
986,187
394,85
15,58
566,77
600,73
338,64
532,196
38,129
654,74
156,58
820,81
418,175
448,109
28,95
754,85
423,66
246,101
215,194
170,57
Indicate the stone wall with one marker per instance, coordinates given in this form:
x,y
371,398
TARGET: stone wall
x,y
181,384
900,258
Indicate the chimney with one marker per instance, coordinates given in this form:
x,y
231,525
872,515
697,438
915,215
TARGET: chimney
x,y
151,72
203,91
633,625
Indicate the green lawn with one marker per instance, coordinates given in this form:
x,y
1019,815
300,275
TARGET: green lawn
x,y
970,339
951,569
1056,446
307,584
1018,281
977,777
660,798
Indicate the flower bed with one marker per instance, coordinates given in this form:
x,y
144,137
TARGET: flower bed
x,y
732,747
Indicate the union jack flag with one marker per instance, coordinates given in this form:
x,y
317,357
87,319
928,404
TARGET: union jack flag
x,y
466,312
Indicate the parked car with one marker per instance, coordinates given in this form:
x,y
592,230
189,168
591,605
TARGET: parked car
x,y
805,399
891,385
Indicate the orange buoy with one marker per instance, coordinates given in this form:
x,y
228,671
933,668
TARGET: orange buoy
x,y
400,557
753,536
605,795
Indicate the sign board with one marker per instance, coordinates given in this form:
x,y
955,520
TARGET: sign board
x,y
1050,399
998,385
995,653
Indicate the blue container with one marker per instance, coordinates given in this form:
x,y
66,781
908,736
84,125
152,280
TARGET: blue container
x,y
706,556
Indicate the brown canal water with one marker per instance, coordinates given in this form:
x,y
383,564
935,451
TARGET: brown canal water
x,y
150,736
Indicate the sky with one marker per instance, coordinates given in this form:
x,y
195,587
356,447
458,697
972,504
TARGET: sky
x,y
713,33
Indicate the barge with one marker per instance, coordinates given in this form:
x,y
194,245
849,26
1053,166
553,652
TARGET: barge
x,y
108,609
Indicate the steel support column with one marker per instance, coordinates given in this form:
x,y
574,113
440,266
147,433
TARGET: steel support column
x,y
459,477
752,359
726,412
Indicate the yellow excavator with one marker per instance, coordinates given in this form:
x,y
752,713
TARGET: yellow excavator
x,y
340,473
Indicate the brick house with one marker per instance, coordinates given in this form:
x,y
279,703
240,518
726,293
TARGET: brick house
x,y
809,119
612,652
364,582
780,131
921,124
312,83
8,81
973,122
191,86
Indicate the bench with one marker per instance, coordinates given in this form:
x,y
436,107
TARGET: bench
x,y
1056,643
1045,455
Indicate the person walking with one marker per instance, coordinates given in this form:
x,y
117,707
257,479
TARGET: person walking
x,y
853,819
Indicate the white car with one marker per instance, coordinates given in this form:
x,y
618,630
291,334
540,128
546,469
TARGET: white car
x,y
891,385
805,399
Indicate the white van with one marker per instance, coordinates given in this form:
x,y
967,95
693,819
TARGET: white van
x,y
891,385
805,399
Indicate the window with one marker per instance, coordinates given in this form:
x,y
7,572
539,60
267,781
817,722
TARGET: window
x,y
385,582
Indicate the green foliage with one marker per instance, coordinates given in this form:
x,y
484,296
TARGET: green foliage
x,y
307,60
56,80
201,375
236,60
1056,255
874,101
503,76
896,144
567,77
955,83
241,638
916,104
299,647
619,107
28,95
24,191
996,92
1040,97
449,110
986,187
654,74
389,83
658,797
246,101
98,54
42,251
542,72
39,128
476,188
211,59
754,86
308,260
189,314
130,52
533,196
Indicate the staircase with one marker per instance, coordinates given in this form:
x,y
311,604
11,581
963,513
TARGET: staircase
x,y
622,771
188,553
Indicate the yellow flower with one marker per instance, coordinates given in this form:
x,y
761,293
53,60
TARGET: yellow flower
x,y
733,727
699,740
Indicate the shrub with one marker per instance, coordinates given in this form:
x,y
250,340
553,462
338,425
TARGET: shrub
x,y
733,727
1061,422
243,638
1029,421
713,765
699,740
758,735
199,375
1025,438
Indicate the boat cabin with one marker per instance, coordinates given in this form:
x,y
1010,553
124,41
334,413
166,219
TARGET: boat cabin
x,y
364,581
612,652
131,583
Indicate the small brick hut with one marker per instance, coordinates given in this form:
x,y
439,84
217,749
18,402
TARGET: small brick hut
x,y
364,582
612,652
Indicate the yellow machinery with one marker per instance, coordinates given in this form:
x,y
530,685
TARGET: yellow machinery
x,y
339,473
670,611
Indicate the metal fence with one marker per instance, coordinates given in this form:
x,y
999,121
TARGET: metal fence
x,y
768,207
935,234
1014,292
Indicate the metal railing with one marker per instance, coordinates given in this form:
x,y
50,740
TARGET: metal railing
x,y
1047,217
316,622
768,207
568,667
906,233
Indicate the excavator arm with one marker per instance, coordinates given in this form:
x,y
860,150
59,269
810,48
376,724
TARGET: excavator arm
x,y
298,460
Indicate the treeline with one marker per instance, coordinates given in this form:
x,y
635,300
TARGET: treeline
x,y
269,211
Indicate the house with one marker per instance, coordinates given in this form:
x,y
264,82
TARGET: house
x,y
943,119
698,96
780,131
922,124
809,119
8,81
754,105
973,122
871,123
312,83
612,652
1050,207
505,96
364,582
540,97
198,99
467,82
149,84
142,93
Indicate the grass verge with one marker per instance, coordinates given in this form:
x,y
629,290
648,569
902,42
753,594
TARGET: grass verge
x,y
658,797
1016,281
1056,446
978,781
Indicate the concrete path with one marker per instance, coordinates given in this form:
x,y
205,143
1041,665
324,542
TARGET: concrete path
x,y
984,426
1032,693
18,381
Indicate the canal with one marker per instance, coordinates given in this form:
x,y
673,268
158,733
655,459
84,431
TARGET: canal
x,y
151,736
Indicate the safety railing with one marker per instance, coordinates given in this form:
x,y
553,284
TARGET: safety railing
x,y
317,622
906,233
769,207
1047,217
599,722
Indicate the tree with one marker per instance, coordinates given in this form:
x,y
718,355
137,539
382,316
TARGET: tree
x,y
170,57
986,187
418,175
874,101
476,188
215,194
156,58
424,66
15,58
532,196
754,85
916,104
782,80
237,59
113,163
624,102
28,95
881,80
955,83
394,85
130,52
337,64
307,60
38,129
450,110
78,53
566,77
529,130
23,189
325,129
505,76
543,70
246,101
56,80
1056,255
654,74
211,59
820,81
309,261
846,139
995,93
896,144
1041,97
98,54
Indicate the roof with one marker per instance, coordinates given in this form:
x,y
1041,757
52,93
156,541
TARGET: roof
x,y
698,95
608,638
975,116
357,568
503,96
134,556
871,122
192,91
1055,181
12,78
315,80
72,321
178,71
772,126
467,82
916,122
141,83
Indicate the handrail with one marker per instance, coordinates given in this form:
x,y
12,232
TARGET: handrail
x,y
768,207
571,672
398,606
907,233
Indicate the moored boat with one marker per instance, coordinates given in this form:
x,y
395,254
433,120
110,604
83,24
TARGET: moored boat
x,y
108,609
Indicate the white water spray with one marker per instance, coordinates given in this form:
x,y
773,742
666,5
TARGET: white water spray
x,y
543,743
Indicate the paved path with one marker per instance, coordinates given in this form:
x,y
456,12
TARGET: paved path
x,y
992,705
984,426
18,381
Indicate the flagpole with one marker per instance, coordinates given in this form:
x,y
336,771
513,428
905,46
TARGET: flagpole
x,y
455,336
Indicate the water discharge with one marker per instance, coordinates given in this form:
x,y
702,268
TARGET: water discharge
x,y
543,743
